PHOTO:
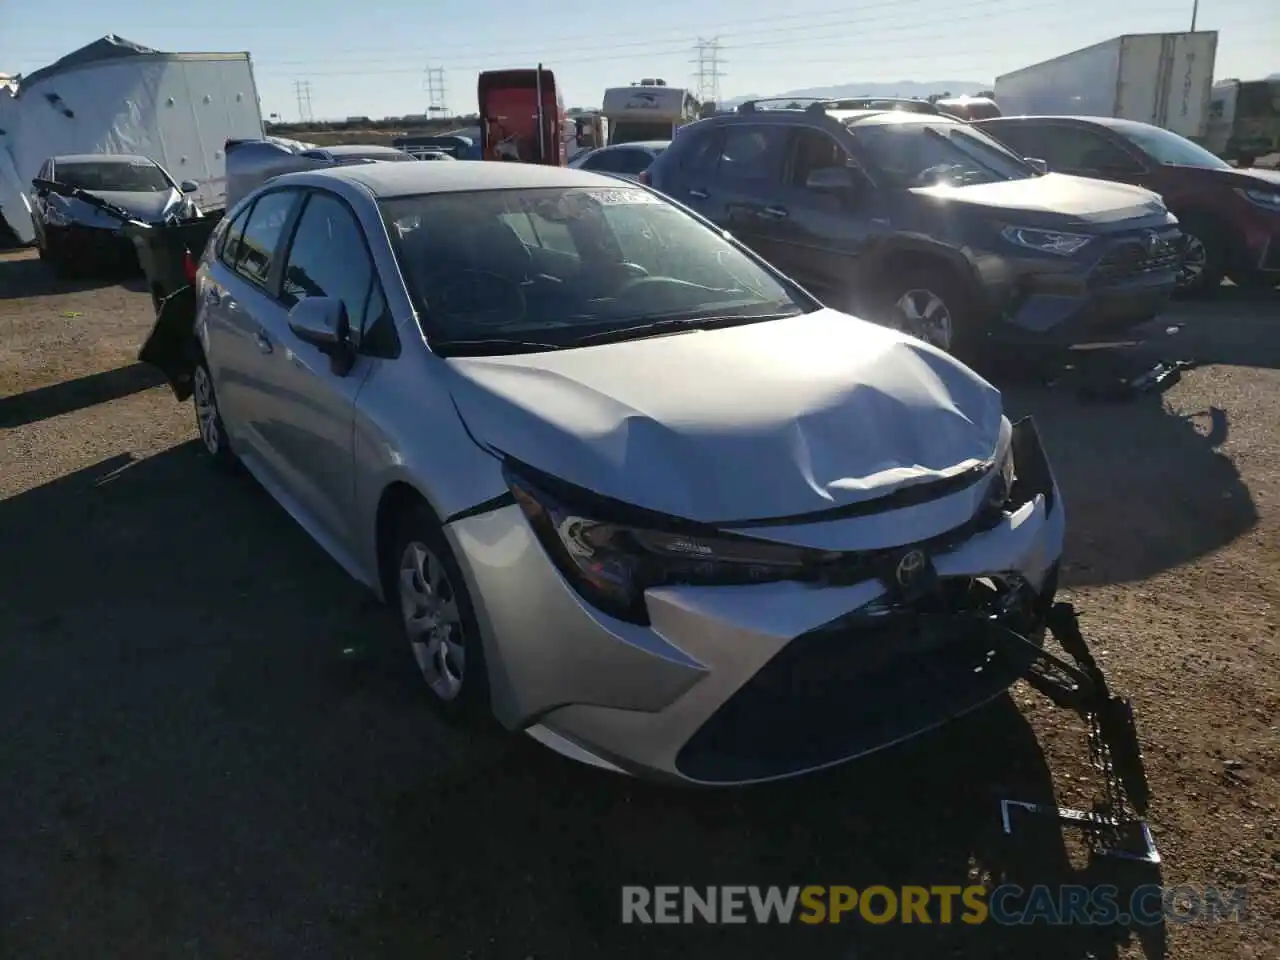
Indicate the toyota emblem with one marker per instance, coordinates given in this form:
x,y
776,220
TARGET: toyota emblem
x,y
910,567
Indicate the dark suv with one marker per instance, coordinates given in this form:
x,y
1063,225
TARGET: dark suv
x,y
922,222
1230,217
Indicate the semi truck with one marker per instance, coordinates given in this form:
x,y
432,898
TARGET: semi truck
x,y
522,117
1159,78
1244,120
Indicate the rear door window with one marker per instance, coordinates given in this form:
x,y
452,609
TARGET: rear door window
x,y
753,152
263,231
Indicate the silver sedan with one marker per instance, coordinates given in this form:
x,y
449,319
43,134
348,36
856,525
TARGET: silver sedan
x,y
631,490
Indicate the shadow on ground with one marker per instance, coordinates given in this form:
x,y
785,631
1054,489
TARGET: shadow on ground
x,y
76,394
1146,486
212,748
22,277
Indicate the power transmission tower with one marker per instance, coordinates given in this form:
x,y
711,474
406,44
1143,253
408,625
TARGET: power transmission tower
x,y
437,104
302,88
709,73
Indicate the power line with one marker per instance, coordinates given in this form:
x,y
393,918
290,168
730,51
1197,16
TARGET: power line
x,y
912,32
436,102
302,88
709,73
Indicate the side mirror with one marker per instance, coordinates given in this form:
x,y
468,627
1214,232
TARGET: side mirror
x,y
1036,164
831,180
188,186
323,323
43,187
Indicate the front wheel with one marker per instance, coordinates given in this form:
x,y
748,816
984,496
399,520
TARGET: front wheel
x,y
437,618
1204,257
929,305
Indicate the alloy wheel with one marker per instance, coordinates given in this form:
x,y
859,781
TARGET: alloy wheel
x,y
206,410
1195,258
429,607
924,315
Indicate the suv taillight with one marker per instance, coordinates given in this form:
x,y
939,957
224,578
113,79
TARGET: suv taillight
x,y
189,267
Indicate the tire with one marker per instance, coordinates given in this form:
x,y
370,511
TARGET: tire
x,y
424,585
213,434
932,294
1205,258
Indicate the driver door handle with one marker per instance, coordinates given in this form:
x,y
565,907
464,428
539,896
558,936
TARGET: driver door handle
x,y
263,341
774,213
698,194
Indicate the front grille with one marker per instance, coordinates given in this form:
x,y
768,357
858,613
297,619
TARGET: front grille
x,y
1132,259
867,680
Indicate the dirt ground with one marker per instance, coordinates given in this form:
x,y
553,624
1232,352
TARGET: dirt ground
x,y
195,764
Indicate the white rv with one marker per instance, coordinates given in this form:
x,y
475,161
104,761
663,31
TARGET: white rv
x,y
648,110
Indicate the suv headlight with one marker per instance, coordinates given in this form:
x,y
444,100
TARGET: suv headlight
x,y
1002,479
1263,198
1046,241
610,562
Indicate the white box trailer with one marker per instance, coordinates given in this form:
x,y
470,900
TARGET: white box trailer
x,y
114,96
1159,78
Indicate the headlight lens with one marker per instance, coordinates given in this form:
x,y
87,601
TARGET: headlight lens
x,y
611,564
1002,479
1263,198
1045,241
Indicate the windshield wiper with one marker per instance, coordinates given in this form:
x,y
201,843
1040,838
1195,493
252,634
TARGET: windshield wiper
x,y
654,327
482,346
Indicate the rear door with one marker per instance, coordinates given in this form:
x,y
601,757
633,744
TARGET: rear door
x,y
237,304
748,180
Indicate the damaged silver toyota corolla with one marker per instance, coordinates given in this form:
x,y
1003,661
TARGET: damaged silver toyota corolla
x,y
633,491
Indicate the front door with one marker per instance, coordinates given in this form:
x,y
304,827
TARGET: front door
x,y
311,436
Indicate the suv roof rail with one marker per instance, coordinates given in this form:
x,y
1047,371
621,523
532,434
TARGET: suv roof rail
x,y
786,103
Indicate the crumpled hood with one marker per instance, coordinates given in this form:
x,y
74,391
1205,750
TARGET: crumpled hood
x,y
769,419
1065,199
147,207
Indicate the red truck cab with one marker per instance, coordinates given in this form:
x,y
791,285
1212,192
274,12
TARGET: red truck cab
x,y
522,117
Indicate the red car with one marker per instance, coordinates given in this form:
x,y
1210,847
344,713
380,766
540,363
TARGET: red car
x,y
1230,217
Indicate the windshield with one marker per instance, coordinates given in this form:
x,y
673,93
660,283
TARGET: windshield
x,y
634,131
916,154
552,266
140,176
1170,149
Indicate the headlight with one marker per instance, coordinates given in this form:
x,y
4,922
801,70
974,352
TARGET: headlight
x,y
610,563
1263,198
55,216
1002,479
1045,241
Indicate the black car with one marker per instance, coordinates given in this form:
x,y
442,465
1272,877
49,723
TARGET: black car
x,y
921,221
74,234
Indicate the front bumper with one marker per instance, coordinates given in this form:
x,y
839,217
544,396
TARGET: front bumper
x,y
1118,285
732,685
91,246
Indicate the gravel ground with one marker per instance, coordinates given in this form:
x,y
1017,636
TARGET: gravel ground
x,y
193,767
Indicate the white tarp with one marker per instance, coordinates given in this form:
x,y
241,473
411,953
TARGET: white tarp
x,y
116,97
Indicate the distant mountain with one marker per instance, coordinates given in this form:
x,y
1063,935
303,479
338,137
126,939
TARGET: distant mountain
x,y
904,88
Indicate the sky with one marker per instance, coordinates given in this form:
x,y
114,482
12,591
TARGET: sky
x,y
371,59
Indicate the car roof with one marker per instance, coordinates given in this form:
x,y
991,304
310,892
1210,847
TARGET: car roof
x,y
120,158
1113,123
385,180
359,149
879,118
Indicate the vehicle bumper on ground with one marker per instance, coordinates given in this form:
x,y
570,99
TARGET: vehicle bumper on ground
x,y
731,685
91,246
1125,282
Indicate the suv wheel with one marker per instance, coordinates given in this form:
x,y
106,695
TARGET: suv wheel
x,y
928,305
208,419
